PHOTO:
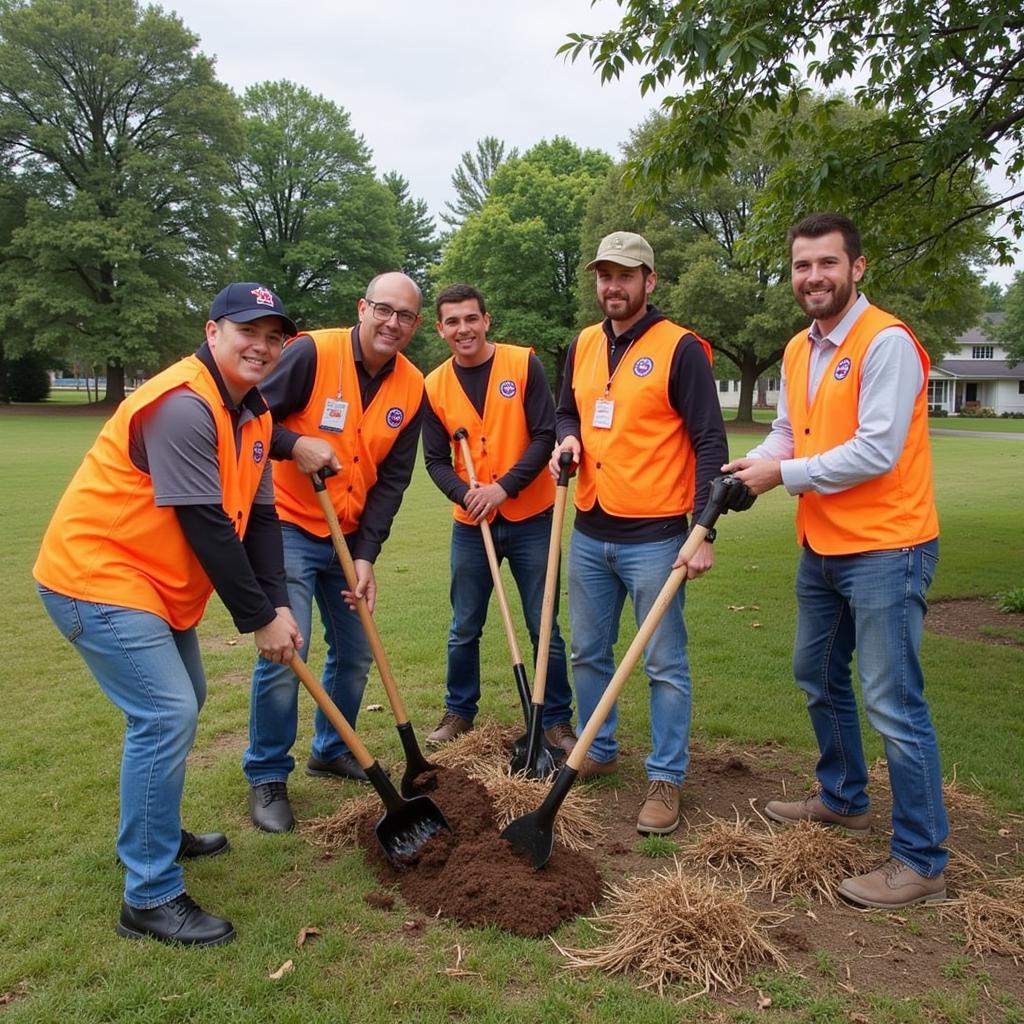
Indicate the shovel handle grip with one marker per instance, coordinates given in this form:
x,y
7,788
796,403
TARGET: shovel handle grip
x,y
330,709
462,437
348,567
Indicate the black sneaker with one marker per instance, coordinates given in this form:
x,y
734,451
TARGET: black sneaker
x,y
344,766
206,844
269,808
180,921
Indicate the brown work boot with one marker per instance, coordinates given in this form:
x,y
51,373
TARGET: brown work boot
x,y
561,735
449,728
892,886
660,811
814,809
592,769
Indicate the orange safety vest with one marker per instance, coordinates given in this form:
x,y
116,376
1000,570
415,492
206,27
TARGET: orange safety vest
x,y
643,466
109,543
498,438
368,435
894,510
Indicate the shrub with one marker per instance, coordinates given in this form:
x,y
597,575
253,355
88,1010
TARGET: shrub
x,y
1011,600
27,379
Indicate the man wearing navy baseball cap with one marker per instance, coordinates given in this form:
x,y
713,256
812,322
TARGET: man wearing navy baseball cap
x,y
173,501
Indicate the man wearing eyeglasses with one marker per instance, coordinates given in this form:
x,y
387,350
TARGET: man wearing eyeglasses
x,y
347,399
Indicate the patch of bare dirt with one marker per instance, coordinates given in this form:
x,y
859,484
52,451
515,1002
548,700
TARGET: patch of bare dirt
x,y
975,618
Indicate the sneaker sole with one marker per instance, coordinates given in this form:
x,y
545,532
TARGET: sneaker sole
x,y
866,830
130,933
859,901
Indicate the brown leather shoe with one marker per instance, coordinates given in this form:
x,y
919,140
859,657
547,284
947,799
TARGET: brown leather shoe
x,y
660,811
597,769
813,809
892,886
561,735
449,728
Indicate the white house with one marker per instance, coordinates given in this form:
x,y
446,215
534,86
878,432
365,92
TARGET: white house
x,y
975,377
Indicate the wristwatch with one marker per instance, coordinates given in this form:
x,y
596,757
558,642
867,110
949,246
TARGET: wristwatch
x,y
711,535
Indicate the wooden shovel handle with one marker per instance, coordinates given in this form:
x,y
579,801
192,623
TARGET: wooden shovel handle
x,y
330,709
611,692
348,567
462,436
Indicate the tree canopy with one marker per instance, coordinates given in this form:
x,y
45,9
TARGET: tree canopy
x,y
315,224
117,136
471,179
947,75
1010,330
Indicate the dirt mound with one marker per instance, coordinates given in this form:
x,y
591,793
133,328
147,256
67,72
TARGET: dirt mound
x,y
472,876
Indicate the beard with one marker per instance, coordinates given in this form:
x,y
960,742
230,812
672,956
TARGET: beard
x,y
628,306
833,306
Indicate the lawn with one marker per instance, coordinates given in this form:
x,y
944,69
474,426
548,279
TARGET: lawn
x,y
60,755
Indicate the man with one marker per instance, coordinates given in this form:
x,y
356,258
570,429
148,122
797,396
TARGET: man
x,y
344,398
851,441
173,501
639,411
500,394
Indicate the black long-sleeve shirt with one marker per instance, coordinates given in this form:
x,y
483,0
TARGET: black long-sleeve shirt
x,y
289,388
692,393
540,422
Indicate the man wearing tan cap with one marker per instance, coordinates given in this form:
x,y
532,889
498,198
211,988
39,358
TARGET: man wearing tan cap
x,y
639,412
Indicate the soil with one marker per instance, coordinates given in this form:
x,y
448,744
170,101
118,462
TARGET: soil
x,y
474,878
975,618
472,875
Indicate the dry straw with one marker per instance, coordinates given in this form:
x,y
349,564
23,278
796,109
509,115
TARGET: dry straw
x,y
667,928
992,918
340,828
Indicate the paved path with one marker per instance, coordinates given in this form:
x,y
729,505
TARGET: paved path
x,y
975,433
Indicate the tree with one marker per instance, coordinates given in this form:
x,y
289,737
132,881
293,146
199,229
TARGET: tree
x,y
119,137
523,246
315,224
472,177
1010,330
417,240
948,75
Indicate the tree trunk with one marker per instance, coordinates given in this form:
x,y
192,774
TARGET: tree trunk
x,y
748,378
115,385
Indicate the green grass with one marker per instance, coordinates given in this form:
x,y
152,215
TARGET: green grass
x,y
981,425
60,751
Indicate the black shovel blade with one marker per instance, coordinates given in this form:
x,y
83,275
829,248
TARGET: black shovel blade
x,y
415,764
407,825
532,754
532,835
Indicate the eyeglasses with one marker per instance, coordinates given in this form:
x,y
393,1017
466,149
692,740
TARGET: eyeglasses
x,y
383,312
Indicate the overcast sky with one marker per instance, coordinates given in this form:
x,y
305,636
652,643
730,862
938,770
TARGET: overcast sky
x,y
422,80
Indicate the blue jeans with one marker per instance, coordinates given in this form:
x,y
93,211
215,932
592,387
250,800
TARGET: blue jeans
x,y
154,675
874,602
525,545
601,574
313,571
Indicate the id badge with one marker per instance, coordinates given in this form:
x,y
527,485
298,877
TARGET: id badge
x,y
604,410
334,415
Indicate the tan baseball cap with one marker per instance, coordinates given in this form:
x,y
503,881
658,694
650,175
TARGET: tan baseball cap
x,y
626,248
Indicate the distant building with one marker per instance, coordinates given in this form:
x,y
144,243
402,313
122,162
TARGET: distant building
x,y
975,376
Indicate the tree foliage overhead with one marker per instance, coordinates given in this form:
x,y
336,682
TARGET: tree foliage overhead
x,y
522,249
315,224
948,75
1009,331
472,177
417,239
117,136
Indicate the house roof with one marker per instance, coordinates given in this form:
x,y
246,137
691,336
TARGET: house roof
x,y
977,369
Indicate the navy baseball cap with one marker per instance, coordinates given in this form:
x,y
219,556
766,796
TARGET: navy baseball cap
x,y
246,300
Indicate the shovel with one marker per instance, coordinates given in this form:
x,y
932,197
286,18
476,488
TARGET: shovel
x,y
532,834
415,763
518,668
537,762
407,824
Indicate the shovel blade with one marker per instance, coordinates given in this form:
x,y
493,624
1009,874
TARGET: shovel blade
x,y
403,831
415,764
532,837
532,754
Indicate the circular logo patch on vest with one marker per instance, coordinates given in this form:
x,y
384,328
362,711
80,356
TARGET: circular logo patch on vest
x,y
257,452
395,417
643,366
507,388
842,369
